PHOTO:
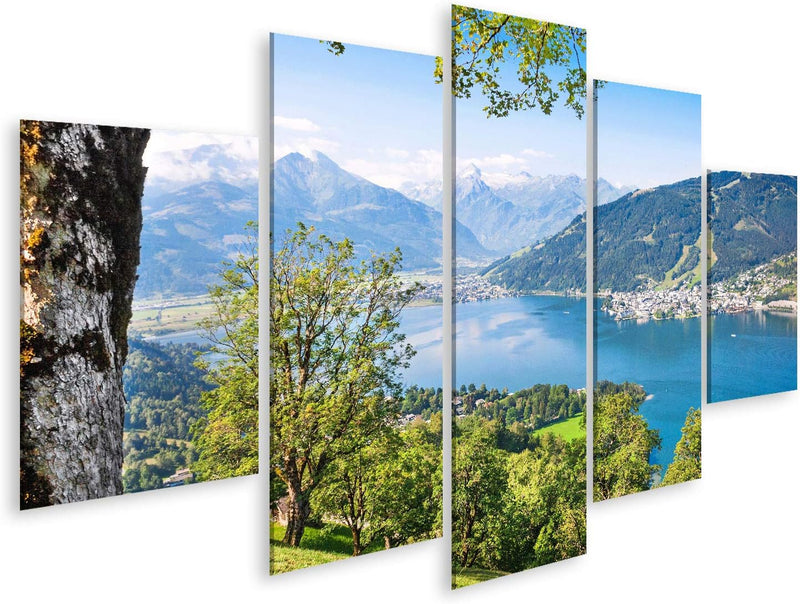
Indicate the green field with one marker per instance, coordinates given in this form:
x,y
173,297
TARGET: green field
x,y
328,544
471,576
169,316
568,429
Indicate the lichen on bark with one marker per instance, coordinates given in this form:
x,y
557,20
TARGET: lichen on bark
x,y
80,205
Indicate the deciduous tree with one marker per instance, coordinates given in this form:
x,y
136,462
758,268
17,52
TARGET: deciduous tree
x,y
335,353
479,481
227,438
622,445
687,463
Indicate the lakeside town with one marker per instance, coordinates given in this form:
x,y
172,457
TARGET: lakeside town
x,y
468,288
654,304
770,286
475,288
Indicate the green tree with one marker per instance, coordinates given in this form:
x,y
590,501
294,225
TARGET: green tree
x,y
409,489
622,446
389,490
479,479
348,491
335,352
545,505
547,58
687,463
226,440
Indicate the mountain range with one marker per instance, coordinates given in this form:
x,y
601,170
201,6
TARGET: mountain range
x,y
651,237
189,229
316,191
509,213
187,233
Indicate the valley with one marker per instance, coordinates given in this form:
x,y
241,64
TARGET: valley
x,y
169,315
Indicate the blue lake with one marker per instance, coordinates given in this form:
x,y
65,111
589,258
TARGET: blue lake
x,y
665,358
518,342
751,354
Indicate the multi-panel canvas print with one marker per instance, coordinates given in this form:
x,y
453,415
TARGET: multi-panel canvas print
x,y
518,432
139,310
752,284
356,302
648,289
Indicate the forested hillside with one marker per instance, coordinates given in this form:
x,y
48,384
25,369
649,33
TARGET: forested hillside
x,y
752,220
519,495
162,388
646,238
651,237
557,264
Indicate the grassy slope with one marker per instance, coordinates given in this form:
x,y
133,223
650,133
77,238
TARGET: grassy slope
x,y
671,279
471,576
568,429
319,546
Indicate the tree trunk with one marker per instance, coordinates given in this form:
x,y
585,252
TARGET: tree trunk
x,y
80,198
357,548
298,511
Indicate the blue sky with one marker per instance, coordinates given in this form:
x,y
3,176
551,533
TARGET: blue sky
x,y
377,113
522,141
647,136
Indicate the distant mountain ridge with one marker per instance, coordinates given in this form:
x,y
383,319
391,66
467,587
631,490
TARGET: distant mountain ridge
x,y
186,234
512,212
317,191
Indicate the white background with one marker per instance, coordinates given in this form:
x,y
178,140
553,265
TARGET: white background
x,y
201,67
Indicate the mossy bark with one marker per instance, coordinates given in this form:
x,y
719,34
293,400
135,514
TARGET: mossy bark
x,y
81,217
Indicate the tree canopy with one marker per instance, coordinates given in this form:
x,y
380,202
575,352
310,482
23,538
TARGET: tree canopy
x,y
548,58
622,442
687,463
388,490
335,354
514,510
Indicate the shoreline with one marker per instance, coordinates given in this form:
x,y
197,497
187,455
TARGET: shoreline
x,y
741,311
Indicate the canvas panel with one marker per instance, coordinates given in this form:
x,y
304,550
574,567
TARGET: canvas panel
x,y
355,310
519,440
132,336
648,281
752,284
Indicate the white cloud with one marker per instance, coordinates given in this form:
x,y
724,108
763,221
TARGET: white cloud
x,y
391,168
505,162
397,153
164,141
537,153
176,168
171,157
299,124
